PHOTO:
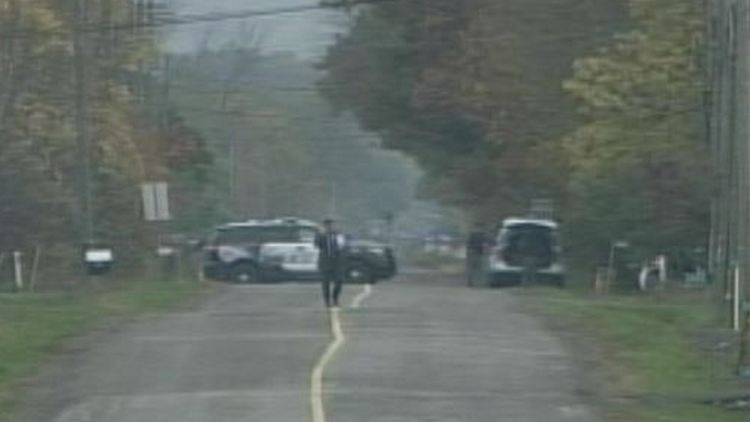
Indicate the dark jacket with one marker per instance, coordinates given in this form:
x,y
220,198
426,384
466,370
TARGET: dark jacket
x,y
332,252
477,244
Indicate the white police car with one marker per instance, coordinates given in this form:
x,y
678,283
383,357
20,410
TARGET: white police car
x,y
262,250
284,249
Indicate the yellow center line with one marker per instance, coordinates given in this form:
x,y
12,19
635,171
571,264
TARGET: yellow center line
x,y
366,292
317,404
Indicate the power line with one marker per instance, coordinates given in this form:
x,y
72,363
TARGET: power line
x,y
99,27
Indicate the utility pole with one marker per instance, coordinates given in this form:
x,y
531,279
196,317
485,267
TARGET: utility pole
x,y
233,167
263,179
166,91
742,289
232,152
728,132
83,147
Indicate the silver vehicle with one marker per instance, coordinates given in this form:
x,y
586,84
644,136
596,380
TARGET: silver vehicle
x,y
526,251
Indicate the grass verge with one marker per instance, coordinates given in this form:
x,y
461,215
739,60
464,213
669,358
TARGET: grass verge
x,y
33,326
655,356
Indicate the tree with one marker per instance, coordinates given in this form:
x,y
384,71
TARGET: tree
x,y
638,168
470,88
39,160
596,104
289,154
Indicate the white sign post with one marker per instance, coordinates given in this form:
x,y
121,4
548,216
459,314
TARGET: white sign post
x,y
156,210
156,201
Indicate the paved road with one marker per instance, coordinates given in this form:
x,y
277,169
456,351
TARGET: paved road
x,y
419,349
431,350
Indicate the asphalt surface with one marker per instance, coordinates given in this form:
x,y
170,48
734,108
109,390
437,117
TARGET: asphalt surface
x,y
421,348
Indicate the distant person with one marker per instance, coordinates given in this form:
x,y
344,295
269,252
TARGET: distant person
x,y
476,248
331,262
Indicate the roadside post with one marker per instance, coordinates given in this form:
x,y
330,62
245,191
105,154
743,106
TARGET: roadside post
x,y
600,281
35,268
2,262
168,260
156,211
614,246
662,268
743,360
737,300
18,270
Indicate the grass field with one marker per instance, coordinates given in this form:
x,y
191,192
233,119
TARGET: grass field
x,y
656,357
33,326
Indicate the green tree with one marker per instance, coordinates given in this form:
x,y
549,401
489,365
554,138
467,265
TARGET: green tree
x,y
471,88
638,168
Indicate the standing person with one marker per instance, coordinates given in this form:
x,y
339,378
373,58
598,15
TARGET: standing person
x,y
332,247
476,247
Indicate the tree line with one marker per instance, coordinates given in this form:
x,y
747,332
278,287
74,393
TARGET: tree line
x,y
597,104
278,148
83,124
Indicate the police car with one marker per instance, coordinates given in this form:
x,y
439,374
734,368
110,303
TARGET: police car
x,y
523,245
284,249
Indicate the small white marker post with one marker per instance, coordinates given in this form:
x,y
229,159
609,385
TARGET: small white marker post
x,y
18,270
736,302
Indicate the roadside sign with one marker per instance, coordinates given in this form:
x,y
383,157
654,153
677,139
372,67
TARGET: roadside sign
x,y
156,201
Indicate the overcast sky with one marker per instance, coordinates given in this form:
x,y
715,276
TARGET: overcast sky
x,y
305,33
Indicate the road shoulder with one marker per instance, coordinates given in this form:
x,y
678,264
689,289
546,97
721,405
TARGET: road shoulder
x,y
47,331
640,356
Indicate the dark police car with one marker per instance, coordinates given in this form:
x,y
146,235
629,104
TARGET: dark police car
x,y
369,261
284,249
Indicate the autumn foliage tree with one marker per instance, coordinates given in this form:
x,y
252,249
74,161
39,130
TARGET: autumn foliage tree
x,y
39,158
596,104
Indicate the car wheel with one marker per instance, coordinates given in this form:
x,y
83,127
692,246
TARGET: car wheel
x,y
245,273
360,273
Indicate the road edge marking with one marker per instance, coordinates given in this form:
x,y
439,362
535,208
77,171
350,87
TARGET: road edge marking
x,y
316,382
360,298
